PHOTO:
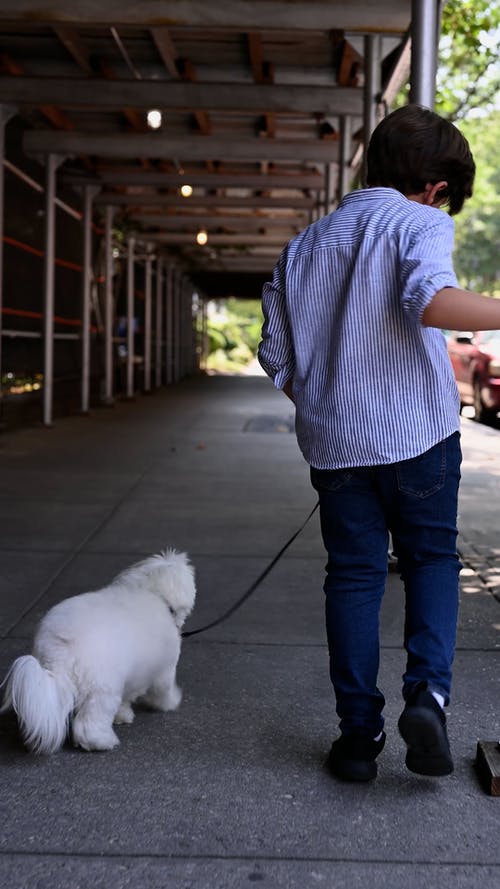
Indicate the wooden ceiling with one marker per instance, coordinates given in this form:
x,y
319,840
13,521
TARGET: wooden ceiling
x,y
261,103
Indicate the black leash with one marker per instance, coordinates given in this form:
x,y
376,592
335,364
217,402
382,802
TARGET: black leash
x,y
248,593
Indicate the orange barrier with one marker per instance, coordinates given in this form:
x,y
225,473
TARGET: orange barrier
x,y
69,322
36,252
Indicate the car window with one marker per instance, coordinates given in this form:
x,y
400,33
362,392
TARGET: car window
x,y
490,337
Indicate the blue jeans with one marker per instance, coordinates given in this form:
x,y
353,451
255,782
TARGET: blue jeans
x,y
416,500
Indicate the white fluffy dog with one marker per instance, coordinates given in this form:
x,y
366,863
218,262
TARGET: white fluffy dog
x,y
97,653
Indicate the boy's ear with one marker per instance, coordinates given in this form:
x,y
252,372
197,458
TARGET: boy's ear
x,y
431,194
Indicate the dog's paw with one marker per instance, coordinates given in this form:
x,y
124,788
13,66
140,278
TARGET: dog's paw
x,y
161,698
174,697
93,737
124,715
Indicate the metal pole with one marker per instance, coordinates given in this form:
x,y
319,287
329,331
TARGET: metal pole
x,y
182,328
345,155
329,188
147,325
130,317
88,195
196,333
176,328
52,164
169,312
186,327
205,334
167,325
424,34
6,112
373,79
192,314
109,308
159,322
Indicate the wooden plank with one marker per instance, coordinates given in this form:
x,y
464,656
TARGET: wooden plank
x,y
391,16
350,67
54,115
179,95
488,766
185,148
166,49
72,41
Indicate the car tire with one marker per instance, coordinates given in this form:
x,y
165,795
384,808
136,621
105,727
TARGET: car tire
x,y
482,414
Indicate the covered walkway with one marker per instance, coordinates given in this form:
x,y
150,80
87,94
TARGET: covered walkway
x,y
230,789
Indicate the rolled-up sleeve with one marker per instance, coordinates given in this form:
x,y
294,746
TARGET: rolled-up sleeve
x,y
276,353
426,267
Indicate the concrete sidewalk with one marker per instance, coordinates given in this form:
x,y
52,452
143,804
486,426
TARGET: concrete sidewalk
x,y
230,789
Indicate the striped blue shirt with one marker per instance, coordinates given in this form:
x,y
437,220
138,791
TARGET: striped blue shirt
x,y
343,321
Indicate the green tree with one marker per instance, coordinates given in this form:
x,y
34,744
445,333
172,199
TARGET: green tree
x,y
234,333
477,259
468,92
468,74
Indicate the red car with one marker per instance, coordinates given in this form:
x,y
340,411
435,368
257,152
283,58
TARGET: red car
x,y
475,358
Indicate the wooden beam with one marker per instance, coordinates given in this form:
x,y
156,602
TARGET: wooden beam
x,y
54,115
75,46
263,72
186,148
149,199
102,93
195,221
391,16
351,66
137,121
244,179
202,119
241,239
488,765
166,49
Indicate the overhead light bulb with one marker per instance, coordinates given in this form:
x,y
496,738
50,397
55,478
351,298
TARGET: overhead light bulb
x,y
154,119
202,237
186,191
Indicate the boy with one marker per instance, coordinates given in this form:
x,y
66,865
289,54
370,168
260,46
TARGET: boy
x,y
351,334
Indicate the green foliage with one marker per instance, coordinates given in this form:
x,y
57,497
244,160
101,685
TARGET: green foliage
x,y
477,259
468,71
467,92
234,334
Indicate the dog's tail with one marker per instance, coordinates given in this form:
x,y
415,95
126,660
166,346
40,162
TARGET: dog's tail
x,y
43,702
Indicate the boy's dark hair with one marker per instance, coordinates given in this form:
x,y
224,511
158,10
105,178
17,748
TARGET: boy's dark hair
x,y
413,146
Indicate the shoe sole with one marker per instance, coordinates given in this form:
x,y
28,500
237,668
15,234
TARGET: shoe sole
x,y
428,750
353,769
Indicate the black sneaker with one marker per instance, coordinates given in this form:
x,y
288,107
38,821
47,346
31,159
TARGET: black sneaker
x,y
352,757
423,727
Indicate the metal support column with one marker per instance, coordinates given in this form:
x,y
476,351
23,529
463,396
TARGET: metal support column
x,y
372,88
182,330
425,22
109,307
177,325
204,329
185,344
188,328
197,322
329,188
52,163
147,322
88,196
345,155
130,317
158,322
6,112
169,341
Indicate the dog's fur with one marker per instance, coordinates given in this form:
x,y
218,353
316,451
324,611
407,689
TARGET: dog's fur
x,y
97,653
